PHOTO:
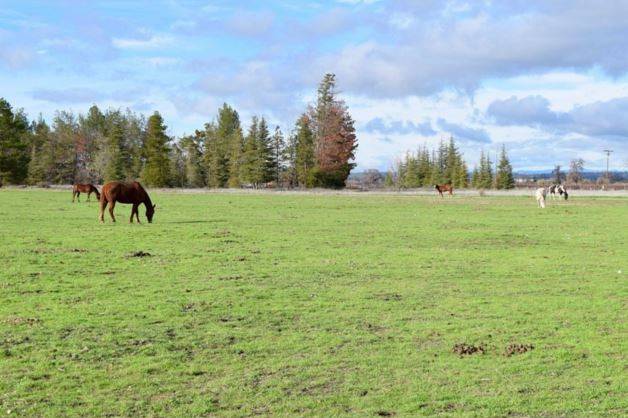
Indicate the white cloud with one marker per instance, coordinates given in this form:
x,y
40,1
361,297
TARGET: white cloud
x,y
150,42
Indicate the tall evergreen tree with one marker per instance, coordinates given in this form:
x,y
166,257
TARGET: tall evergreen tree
x,y
334,132
462,175
115,168
278,155
290,155
40,163
192,145
504,178
483,179
304,151
177,166
62,148
14,156
251,170
157,168
265,151
236,144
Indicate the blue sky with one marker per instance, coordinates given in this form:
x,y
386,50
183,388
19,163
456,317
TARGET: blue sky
x,y
546,78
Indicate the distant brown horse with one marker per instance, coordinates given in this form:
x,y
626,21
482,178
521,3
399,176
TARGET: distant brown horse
x,y
84,188
440,188
130,193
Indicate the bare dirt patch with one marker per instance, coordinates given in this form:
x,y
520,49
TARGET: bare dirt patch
x,y
140,254
464,349
18,320
513,349
389,296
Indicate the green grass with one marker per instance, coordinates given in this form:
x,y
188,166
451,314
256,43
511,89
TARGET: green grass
x,y
313,305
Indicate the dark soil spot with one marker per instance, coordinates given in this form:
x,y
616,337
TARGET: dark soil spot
x,y
385,413
194,307
229,278
78,250
140,254
513,349
240,259
17,320
222,233
463,349
390,296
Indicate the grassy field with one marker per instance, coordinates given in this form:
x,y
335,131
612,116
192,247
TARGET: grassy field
x,y
313,305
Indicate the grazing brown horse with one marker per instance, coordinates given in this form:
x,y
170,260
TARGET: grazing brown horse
x,y
130,193
440,188
84,188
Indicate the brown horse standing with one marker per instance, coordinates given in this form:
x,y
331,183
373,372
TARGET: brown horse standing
x,y
130,193
84,188
440,188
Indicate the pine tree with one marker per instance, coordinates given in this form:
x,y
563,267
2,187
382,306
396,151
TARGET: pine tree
x,y
278,152
265,152
452,160
475,177
191,145
483,179
304,152
39,165
115,168
462,175
62,148
436,176
157,169
335,140
177,166
14,156
223,146
504,178
236,144
213,158
250,171
290,153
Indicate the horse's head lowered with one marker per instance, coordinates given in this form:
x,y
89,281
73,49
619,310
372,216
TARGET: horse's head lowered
x,y
150,211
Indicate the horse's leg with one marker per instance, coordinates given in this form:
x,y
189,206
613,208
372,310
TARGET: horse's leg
x,y
103,205
137,213
133,212
88,195
111,206
78,196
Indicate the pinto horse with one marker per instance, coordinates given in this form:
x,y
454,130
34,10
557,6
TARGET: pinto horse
x,y
440,188
130,193
555,189
78,188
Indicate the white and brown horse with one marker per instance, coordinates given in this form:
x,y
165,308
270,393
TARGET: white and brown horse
x,y
558,189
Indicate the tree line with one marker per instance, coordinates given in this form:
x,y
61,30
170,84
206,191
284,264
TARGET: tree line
x,y
445,165
108,145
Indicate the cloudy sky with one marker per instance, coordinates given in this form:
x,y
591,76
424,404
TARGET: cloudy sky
x,y
549,79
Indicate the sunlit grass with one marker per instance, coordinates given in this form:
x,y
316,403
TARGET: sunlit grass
x,y
318,305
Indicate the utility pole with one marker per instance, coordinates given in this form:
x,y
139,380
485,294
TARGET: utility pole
x,y
608,157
